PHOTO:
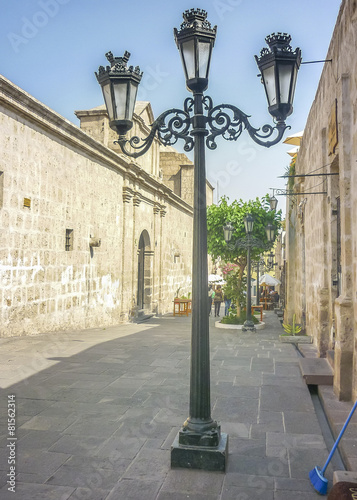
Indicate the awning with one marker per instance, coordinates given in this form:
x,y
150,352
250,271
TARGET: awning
x,y
294,139
216,279
267,280
293,152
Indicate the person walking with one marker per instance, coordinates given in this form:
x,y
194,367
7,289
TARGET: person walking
x,y
217,301
227,304
210,298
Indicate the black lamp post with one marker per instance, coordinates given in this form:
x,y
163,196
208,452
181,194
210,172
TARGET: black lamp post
x,y
249,224
200,443
248,243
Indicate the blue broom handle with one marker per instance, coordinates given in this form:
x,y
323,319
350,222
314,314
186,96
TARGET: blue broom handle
x,y
338,439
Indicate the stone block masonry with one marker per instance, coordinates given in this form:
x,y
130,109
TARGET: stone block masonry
x,y
321,228
60,188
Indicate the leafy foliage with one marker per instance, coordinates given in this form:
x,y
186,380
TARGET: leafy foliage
x,y
235,284
293,329
232,319
219,215
291,171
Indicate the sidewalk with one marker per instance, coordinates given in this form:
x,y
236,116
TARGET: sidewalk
x,y
98,410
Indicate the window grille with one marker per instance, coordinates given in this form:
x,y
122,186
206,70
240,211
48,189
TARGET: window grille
x,y
69,240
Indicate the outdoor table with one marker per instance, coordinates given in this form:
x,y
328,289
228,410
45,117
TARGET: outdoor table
x,y
260,308
182,307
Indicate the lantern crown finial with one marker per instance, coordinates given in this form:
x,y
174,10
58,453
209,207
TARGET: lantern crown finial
x,y
279,40
118,60
118,65
279,43
191,15
196,19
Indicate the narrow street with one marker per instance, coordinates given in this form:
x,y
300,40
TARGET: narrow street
x,y
97,411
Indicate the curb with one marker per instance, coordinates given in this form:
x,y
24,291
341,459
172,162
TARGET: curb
x,y
218,324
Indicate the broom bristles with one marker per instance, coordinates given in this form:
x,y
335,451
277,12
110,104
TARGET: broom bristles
x,y
318,481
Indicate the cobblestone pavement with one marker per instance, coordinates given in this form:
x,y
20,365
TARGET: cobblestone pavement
x,y
97,411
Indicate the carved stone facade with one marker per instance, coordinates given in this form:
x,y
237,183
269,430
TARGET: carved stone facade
x,y
321,229
89,236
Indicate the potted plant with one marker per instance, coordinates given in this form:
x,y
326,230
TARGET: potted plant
x,y
293,333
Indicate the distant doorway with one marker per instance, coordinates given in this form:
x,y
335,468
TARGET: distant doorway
x,y
144,291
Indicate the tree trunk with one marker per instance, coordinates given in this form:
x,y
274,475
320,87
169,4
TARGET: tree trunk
x,y
239,287
242,262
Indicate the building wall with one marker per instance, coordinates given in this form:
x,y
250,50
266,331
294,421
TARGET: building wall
x,y
95,123
176,169
178,174
280,268
55,177
322,228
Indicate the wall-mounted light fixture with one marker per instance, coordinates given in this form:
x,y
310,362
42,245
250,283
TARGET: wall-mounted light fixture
x,y
94,242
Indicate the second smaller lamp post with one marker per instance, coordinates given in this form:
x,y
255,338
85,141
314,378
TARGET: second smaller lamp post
x,y
248,243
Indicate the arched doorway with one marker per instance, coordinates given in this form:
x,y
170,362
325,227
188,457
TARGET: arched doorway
x,y
144,290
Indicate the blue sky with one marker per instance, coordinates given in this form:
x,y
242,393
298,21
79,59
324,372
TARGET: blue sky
x,y
51,49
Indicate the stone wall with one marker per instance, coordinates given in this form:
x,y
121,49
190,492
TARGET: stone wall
x,y
95,123
322,264
178,173
61,186
280,259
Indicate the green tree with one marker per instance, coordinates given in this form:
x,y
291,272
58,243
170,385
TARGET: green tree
x,y
219,215
235,287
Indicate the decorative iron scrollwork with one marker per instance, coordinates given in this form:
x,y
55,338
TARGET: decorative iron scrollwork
x,y
168,132
223,120
249,242
229,122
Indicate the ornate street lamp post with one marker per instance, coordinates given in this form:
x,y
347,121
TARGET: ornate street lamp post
x,y
248,243
200,443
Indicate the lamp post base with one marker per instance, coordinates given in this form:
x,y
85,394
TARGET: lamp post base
x,y
248,326
212,458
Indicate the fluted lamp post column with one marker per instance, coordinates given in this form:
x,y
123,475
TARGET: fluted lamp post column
x,y
249,224
258,263
200,443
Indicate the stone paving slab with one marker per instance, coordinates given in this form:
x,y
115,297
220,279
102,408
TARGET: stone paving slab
x,y
98,411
